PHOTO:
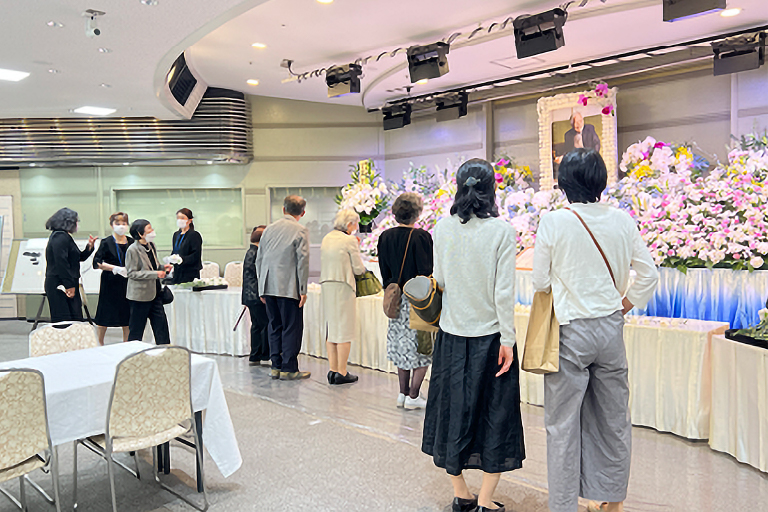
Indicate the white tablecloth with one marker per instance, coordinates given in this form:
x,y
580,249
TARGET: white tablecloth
x,y
78,385
740,401
203,321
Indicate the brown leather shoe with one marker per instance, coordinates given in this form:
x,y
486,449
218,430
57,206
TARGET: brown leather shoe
x,y
294,375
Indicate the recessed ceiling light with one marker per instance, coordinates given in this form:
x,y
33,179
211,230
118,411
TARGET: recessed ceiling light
x,y
106,86
54,71
55,24
104,50
12,76
422,81
150,2
95,111
325,1
729,13
260,46
252,82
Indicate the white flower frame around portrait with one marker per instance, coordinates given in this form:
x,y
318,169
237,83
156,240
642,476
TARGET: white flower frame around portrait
x,y
609,138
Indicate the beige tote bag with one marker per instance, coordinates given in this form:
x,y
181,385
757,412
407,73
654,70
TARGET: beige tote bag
x,y
541,353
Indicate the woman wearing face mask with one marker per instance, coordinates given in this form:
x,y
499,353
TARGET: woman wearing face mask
x,y
113,309
144,275
188,244
62,272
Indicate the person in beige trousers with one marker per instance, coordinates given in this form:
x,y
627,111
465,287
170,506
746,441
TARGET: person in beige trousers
x,y
340,263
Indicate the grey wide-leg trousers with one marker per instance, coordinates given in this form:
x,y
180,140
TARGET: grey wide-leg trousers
x,y
586,413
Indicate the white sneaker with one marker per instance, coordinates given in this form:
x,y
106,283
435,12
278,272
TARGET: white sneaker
x,y
415,403
400,400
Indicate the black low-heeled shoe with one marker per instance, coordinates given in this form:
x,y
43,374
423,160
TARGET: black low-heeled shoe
x,y
332,377
464,505
500,509
344,379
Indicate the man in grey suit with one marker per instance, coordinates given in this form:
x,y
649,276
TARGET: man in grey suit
x,y
282,267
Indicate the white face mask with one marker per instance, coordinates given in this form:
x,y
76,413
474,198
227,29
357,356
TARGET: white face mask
x,y
181,223
120,229
150,236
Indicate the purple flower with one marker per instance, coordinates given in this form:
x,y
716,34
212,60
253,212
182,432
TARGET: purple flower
x,y
583,100
601,90
608,110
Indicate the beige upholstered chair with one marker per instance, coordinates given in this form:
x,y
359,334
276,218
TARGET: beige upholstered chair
x,y
151,404
233,273
25,443
210,269
55,338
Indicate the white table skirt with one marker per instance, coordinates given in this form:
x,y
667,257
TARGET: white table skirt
x,y
203,321
739,424
78,385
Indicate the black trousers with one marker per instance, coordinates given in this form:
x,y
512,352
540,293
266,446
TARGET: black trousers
x,y
259,339
62,307
286,327
155,313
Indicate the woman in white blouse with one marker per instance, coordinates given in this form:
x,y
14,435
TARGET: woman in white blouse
x,y
473,409
583,255
340,263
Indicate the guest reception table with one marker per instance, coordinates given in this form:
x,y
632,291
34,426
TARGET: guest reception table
x,y
78,386
740,401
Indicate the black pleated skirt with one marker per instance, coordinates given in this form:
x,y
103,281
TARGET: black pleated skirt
x,y
473,417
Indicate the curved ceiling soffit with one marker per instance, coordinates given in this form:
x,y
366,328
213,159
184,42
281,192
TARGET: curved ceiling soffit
x,y
574,16
164,65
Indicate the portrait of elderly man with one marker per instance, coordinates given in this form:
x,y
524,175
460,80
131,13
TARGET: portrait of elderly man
x,y
581,135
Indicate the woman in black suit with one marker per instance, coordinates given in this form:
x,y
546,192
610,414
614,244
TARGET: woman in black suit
x,y
188,244
113,309
62,271
256,308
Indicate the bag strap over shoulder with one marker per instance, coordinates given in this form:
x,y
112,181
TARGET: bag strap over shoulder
x,y
608,265
405,255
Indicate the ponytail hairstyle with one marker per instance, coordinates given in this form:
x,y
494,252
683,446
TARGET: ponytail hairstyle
x,y
476,191
188,213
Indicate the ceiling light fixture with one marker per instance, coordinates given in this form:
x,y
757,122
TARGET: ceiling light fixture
x,y
453,107
54,71
106,86
325,1
95,111
430,61
343,80
12,76
150,2
423,81
260,46
676,10
397,116
742,53
252,81
730,13
55,24
539,33
104,50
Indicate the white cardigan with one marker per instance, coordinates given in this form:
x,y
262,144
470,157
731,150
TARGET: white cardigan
x,y
340,259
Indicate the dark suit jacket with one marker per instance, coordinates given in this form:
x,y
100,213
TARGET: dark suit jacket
x,y
191,251
250,280
588,137
62,259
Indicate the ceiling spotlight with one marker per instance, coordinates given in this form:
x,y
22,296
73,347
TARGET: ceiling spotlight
x,y
423,81
430,61
676,10
539,33
325,1
453,107
54,71
12,76
95,111
106,86
252,82
55,24
104,50
397,116
730,13
150,2
343,80
742,53
260,46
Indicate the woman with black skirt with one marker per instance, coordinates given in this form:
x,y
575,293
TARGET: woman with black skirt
x,y
113,309
473,410
62,271
188,244
256,308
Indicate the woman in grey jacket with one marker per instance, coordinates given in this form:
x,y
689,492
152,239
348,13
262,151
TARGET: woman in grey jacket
x,y
144,274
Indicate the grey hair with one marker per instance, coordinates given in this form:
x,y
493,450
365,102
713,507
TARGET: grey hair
x,y
344,218
407,208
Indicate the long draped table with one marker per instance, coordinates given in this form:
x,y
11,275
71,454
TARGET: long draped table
x,y
78,386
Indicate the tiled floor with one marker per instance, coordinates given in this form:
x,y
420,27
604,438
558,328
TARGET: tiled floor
x,y
310,446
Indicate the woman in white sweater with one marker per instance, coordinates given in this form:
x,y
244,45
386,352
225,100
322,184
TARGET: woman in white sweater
x,y
473,410
584,254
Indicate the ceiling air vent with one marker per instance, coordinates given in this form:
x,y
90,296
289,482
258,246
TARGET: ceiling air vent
x,y
183,87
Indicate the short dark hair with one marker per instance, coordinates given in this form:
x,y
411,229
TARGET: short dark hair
x,y
138,227
188,214
407,208
476,191
294,205
118,216
256,234
63,220
582,176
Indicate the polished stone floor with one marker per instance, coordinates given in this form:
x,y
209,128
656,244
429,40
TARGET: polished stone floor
x,y
309,446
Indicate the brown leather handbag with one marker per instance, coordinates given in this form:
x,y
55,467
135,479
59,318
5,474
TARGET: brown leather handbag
x,y
394,292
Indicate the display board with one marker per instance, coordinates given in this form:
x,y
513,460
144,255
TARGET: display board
x,y
25,273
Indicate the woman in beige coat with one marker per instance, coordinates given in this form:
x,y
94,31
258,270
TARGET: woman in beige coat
x,y
341,262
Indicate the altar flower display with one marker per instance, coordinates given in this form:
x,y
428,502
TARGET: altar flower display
x,y
367,193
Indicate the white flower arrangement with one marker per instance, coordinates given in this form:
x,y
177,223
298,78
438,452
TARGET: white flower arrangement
x,y
367,194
